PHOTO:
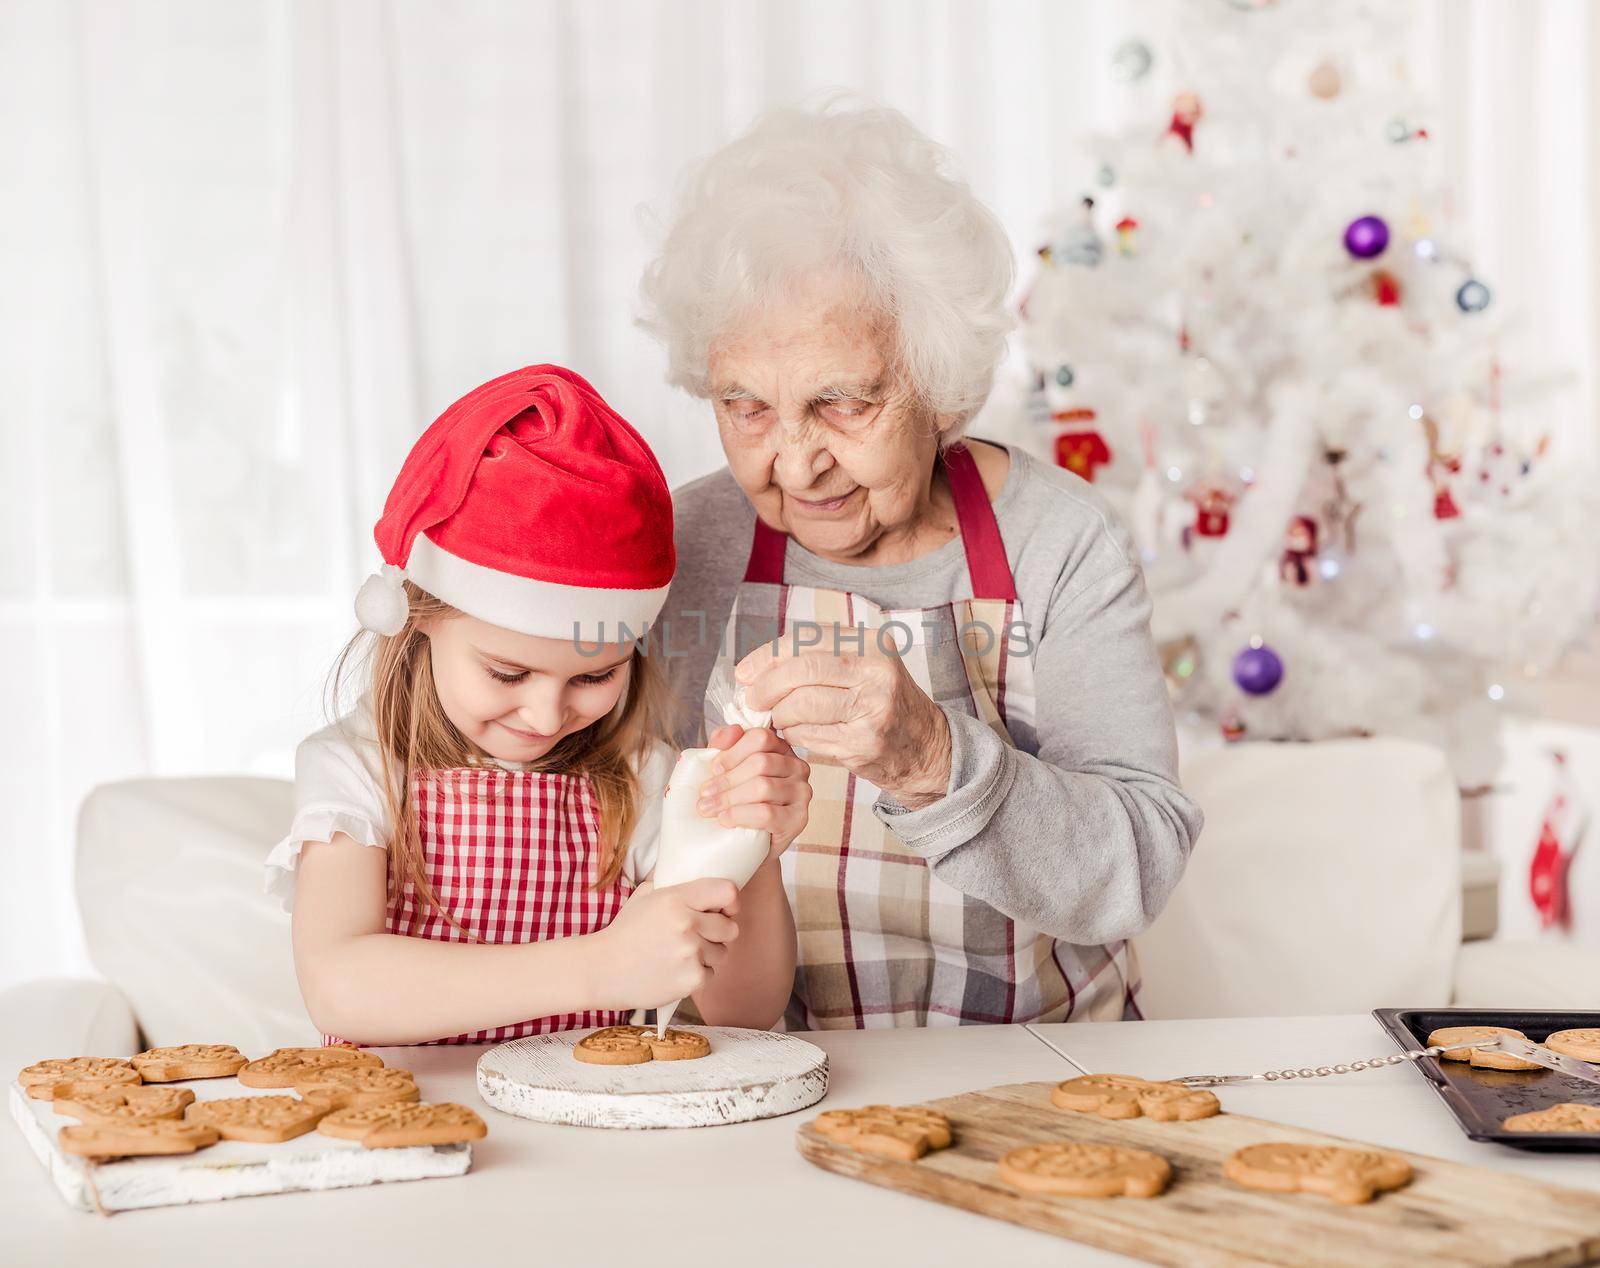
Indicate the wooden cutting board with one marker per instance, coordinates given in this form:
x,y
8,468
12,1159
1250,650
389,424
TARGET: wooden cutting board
x,y
1448,1214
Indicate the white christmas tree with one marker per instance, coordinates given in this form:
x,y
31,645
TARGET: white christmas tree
x,y
1257,335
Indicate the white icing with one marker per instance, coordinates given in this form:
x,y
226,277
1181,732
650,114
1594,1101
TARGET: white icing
x,y
693,847
738,712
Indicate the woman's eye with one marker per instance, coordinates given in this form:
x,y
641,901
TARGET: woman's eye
x,y
592,680
498,676
847,411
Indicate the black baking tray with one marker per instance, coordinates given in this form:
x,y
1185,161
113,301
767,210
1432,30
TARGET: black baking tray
x,y
1483,1099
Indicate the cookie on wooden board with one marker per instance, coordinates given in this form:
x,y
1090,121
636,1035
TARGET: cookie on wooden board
x,y
399,1126
132,1104
1566,1117
263,1120
136,1140
64,1077
1125,1096
280,1068
1082,1170
1457,1042
1583,1043
188,1061
1345,1175
906,1133
346,1086
634,1045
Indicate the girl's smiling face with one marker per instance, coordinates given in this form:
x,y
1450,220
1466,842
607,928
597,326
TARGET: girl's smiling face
x,y
516,696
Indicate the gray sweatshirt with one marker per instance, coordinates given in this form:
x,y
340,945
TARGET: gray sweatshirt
x,y
1081,830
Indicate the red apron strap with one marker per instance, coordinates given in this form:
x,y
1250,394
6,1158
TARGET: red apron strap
x,y
980,533
766,555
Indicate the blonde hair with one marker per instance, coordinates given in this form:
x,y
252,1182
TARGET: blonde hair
x,y
414,735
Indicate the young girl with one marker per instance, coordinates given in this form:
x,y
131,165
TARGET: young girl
x,y
471,846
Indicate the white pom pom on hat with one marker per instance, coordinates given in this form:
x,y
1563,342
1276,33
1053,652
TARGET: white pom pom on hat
x,y
381,603
532,505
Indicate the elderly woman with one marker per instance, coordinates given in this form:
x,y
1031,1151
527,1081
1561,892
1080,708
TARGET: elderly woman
x,y
955,635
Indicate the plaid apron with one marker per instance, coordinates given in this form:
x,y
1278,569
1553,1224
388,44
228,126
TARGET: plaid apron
x,y
510,854
882,940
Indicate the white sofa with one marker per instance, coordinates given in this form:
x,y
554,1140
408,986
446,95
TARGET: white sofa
x,y
1328,880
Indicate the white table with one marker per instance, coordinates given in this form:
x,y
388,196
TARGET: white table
x,y
566,1195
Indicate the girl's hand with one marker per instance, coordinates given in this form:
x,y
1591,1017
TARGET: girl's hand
x,y
760,784
666,943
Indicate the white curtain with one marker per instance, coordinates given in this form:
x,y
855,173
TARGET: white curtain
x,y
251,249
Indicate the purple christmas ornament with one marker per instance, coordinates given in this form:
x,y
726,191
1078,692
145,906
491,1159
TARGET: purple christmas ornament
x,y
1257,670
1366,237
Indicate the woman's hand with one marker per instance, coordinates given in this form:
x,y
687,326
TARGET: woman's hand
x,y
759,783
864,710
666,943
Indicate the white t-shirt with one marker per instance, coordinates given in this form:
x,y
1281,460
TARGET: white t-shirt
x,y
338,787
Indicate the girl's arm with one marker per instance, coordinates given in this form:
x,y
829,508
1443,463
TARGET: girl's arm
x,y
378,988
752,985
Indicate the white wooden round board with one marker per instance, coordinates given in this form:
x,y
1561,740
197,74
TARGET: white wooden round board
x,y
748,1074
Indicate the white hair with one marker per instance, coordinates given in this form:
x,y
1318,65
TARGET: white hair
x,y
857,192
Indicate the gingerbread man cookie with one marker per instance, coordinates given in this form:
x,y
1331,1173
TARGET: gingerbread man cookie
x,y
267,1120
634,1045
132,1104
1124,1096
134,1140
892,1131
401,1126
1081,1170
347,1086
66,1077
280,1068
1345,1175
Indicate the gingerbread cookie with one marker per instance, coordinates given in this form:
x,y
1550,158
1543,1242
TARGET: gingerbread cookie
x,y
892,1131
189,1061
1457,1042
133,1140
353,1086
132,1104
1583,1043
265,1120
634,1045
1566,1117
280,1069
66,1077
399,1126
1079,1170
1124,1096
1345,1175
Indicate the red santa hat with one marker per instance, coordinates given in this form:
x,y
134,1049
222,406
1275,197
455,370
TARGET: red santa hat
x,y
532,505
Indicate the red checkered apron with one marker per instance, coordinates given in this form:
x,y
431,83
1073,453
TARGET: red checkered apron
x,y
883,941
511,856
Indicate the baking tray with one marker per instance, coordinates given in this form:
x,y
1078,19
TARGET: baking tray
x,y
1482,1099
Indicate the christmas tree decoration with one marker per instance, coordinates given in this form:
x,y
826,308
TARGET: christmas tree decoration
x,y
1186,112
1366,237
1385,288
1473,297
1107,175
1325,81
1081,244
1126,228
1317,415
1299,551
1179,660
1257,669
1081,451
1561,829
1132,60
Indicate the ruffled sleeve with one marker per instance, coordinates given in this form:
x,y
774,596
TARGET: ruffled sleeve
x,y
337,788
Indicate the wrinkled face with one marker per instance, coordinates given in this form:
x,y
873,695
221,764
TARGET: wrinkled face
x,y
514,695
823,439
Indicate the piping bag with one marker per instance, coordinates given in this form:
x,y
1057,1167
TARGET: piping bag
x,y
693,847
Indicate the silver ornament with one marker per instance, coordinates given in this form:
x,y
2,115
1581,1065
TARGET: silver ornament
x,y
1132,60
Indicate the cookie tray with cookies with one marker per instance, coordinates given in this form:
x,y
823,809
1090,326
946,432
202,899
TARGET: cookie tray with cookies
x,y
1132,1167
1483,1098
218,1147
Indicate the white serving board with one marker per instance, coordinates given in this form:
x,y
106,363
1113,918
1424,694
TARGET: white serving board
x,y
227,1169
748,1074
